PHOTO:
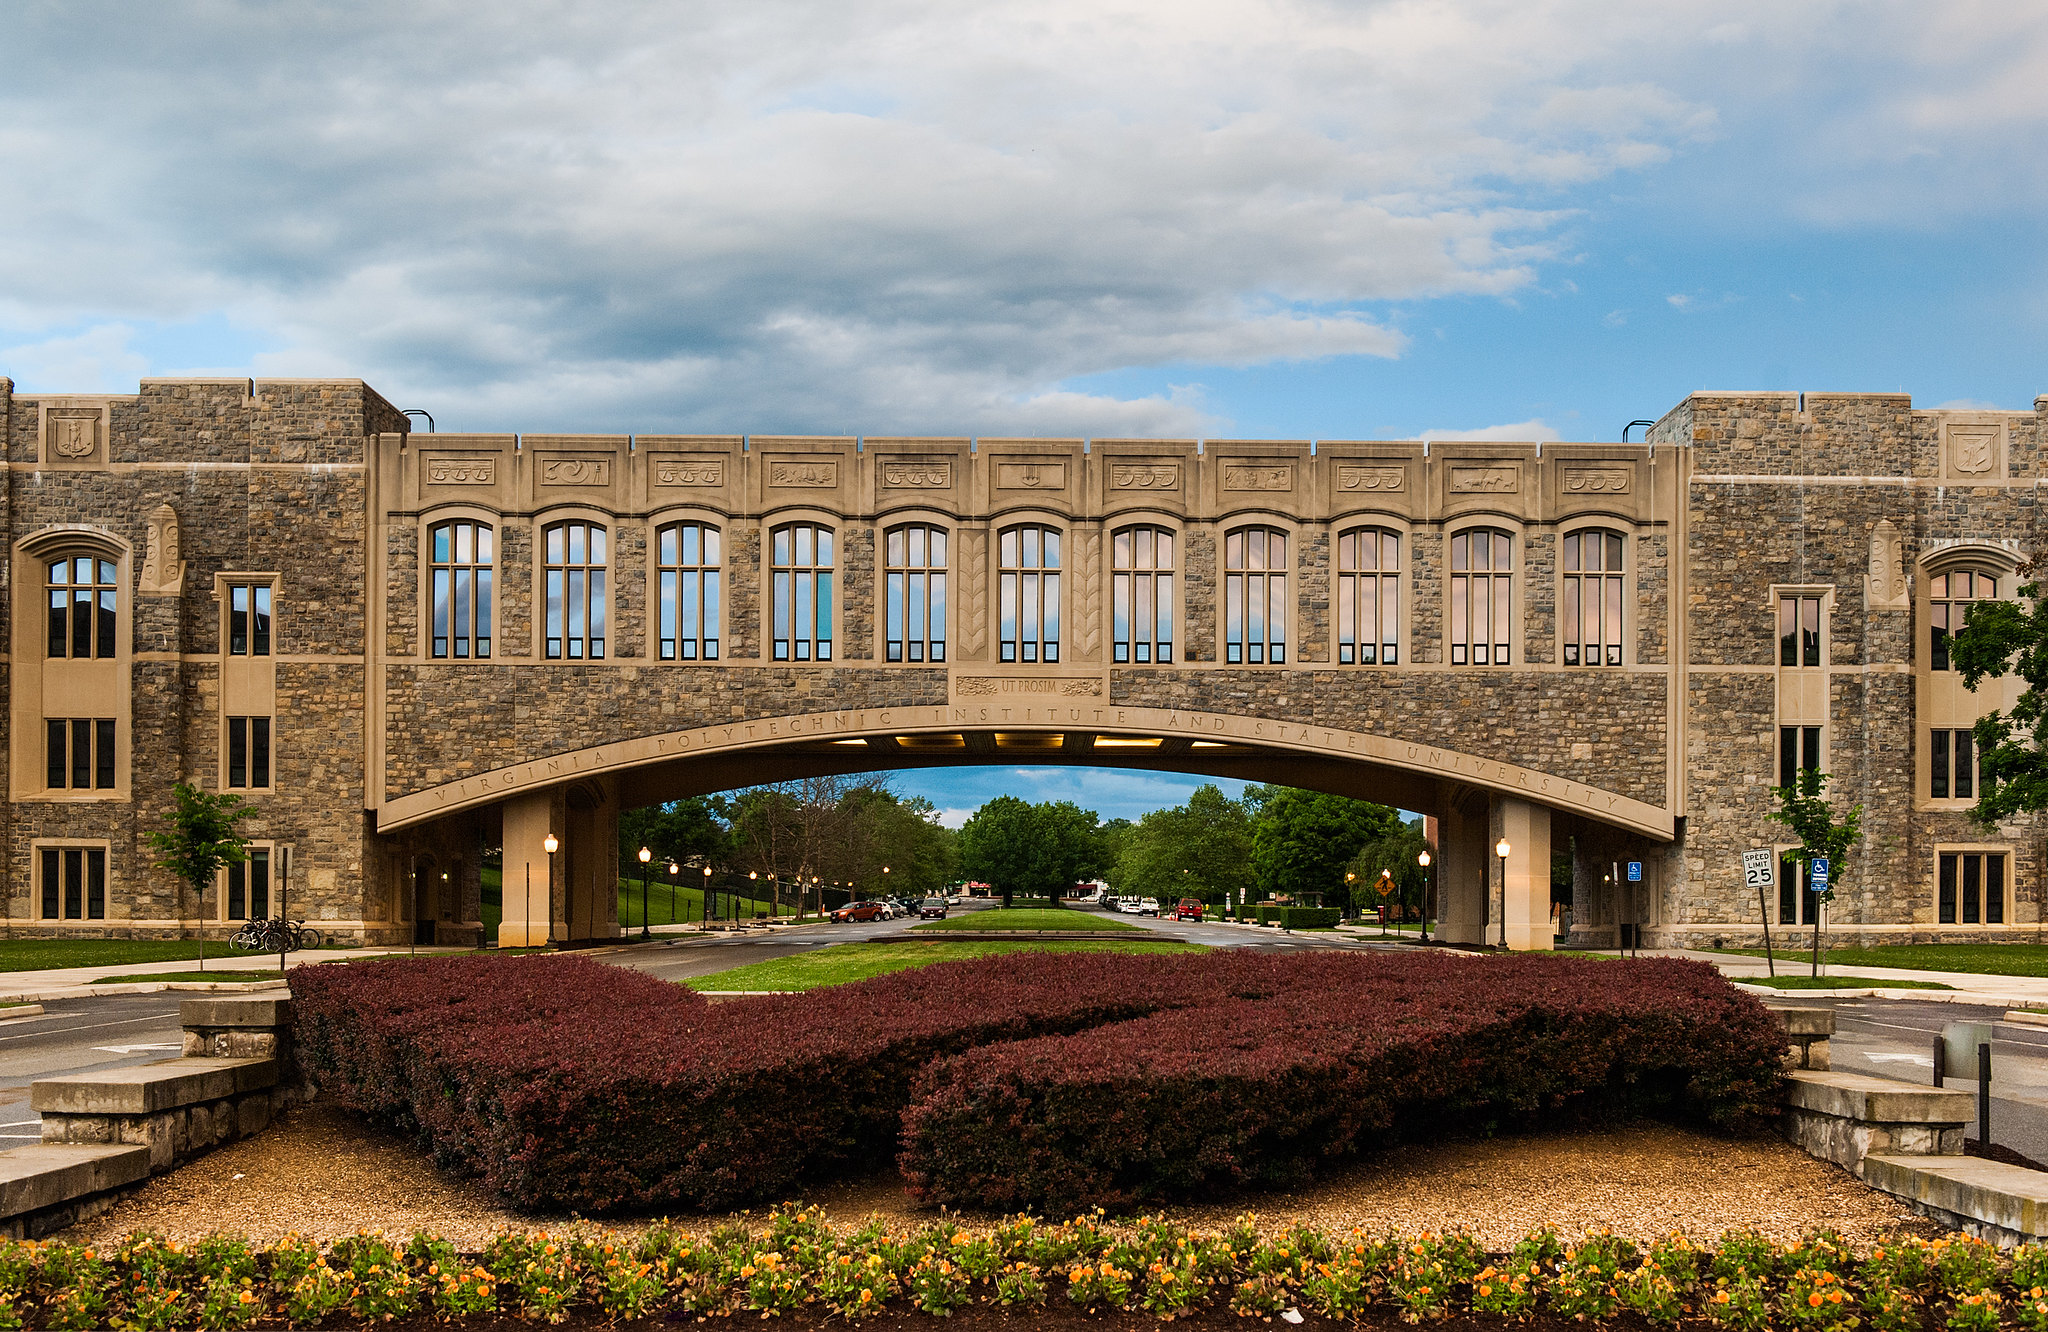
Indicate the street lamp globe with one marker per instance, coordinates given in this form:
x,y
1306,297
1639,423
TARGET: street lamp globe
x,y
551,844
1501,848
1423,860
645,855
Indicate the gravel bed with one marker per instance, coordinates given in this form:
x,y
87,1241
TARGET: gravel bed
x,y
321,1171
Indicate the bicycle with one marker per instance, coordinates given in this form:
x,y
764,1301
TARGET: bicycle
x,y
273,936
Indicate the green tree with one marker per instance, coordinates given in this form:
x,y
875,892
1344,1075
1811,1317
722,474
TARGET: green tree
x,y
1200,849
1301,840
1037,850
200,841
2002,638
680,831
1395,852
1804,810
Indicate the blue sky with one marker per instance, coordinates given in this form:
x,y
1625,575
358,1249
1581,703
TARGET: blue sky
x,y
1525,219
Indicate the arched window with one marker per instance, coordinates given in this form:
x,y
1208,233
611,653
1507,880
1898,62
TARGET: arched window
x,y
916,593
1029,588
1369,597
1592,598
1143,594
84,601
575,591
1949,597
459,568
1255,596
1481,595
803,592
688,613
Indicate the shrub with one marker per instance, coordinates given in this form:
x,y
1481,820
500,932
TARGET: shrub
x,y
1300,1059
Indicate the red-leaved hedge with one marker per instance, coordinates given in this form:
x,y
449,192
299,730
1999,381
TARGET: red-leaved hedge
x,y
1335,1054
567,1084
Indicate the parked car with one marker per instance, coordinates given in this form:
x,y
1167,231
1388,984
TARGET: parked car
x,y
1189,909
890,908
933,906
1148,906
858,911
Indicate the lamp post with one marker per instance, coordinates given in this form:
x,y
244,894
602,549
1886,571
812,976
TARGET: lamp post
x,y
1349,879
1386,896
673,870
1423,860
704,906
1500,850
550,844
645,902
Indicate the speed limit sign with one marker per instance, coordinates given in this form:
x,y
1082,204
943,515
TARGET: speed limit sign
x,y
1756,869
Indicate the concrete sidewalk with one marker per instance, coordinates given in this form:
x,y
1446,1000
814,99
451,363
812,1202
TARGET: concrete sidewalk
x,y
78,982
1966,987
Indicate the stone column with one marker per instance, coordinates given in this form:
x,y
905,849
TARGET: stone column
x,y
1461,876
527,891
1527,829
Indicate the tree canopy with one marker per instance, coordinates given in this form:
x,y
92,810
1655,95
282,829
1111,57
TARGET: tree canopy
x,y
1302,840
1397,852
2002,638
1038,850
1201,849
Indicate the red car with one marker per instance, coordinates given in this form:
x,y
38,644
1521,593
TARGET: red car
x,y
858,911
1189,909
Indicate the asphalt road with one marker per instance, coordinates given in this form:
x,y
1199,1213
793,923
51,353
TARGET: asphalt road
x,y
79,1036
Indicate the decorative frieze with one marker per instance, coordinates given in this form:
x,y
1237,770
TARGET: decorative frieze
x,y
694,472
163,566
576,471
1258,476
907,474
1598,480
1145,476
1382,480
462,471
1492,479
1884,584
815,473
987,686
1031,476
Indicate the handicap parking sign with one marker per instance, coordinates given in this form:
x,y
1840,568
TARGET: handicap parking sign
x,y
1819,877
1635,871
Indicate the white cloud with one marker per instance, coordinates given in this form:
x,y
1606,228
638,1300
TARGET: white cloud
x,y
98,360
1533,430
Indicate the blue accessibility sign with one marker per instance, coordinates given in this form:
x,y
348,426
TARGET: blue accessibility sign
x,y
1819,876
1635,871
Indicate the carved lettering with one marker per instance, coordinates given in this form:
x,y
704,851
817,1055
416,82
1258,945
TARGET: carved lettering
x,y
462,471
1031,476
1500,479
982,686
1250,476
1598,481
917,476
682,472
1163,476
803,473
1370,478
576,472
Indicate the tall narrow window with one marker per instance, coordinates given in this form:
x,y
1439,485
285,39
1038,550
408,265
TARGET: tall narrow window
x,y
1369,597
802,557
1592,599
575,592
1255,596
1952,765
1798,747
79,753
1799,631
1949,598
460,568
1143,595
74,883
687,556
1970,888
249,752
248,887
84,594
1029,564
1481,595
249,619
916,611
1796,900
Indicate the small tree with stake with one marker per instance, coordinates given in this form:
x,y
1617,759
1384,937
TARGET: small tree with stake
x,y
200,841
1803,809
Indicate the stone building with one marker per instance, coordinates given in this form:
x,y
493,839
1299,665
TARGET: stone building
x,y
406,649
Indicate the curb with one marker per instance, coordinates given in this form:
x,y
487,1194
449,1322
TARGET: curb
x,y
1999,1001
139,987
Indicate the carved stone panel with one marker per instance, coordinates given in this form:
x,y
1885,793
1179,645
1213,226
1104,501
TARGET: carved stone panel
x,y
1599,480
913,474
697,472
1973,451
991,686
974,580
1145,476
1258,476
74,435
803,472
1884,583
575,471
1486,479
452,471
1366,480
163,564
1031,476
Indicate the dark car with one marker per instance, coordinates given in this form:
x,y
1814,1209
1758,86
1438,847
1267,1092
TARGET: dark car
x,y
858,911
932,906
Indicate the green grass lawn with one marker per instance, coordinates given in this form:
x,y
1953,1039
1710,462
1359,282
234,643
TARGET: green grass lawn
x,y
1986,959
47,954
1028,918
1838,983
235,977
841,963
670,904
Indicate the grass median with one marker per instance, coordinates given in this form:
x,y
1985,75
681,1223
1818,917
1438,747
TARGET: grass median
x,y
222,976
1837,983
1028,918
841,963
1985,959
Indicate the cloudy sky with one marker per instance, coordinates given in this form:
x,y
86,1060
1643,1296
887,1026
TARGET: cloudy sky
x,y
1522,219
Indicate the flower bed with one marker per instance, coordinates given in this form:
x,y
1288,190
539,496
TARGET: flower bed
x,y
796,1263
567,1084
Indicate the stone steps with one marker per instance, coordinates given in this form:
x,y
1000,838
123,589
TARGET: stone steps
x,y
1987,1198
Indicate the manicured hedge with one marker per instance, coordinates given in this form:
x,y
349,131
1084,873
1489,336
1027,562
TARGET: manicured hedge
x,y
1300,917
571,1085
1325,1055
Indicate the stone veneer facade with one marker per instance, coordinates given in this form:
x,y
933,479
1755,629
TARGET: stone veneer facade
x,y
394,770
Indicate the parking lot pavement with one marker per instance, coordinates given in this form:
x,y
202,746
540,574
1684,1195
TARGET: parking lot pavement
x,y
79,1036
